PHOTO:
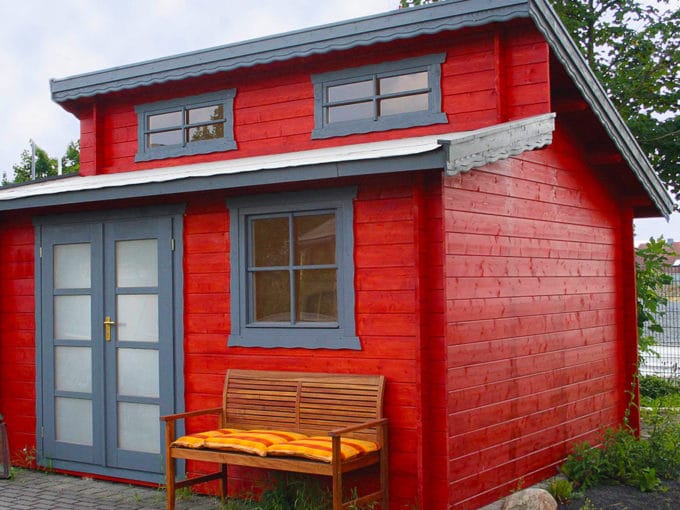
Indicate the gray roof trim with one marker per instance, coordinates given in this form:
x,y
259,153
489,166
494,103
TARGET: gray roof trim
x,y
498,142
385,27
458,151
564,48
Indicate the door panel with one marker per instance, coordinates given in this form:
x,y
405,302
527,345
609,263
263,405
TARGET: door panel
x,y
107,342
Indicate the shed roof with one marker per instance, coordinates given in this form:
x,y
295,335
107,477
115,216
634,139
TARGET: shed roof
x,y
391,26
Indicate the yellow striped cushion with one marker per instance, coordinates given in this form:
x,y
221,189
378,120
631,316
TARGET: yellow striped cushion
x,y
252,441
198,440
320,448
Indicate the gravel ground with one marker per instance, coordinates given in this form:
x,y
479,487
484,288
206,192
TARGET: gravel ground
x,y
621,497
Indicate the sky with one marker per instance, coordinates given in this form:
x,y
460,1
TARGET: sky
x,y
43,39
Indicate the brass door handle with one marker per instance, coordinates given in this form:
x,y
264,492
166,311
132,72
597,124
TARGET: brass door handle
x,y
107,328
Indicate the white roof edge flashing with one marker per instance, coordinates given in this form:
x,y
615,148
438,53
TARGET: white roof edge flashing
x,y
466,149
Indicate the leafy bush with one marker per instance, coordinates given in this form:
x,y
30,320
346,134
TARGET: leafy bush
x,y
624,458
562,490
654,387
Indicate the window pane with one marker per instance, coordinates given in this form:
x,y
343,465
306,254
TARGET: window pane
x,y
271,242
209,132
73,369
139,427
316,291
137,317
72,266
138,373
271,296
205,114
73,417
404,104
314,239
165,120
403,83
356,90
72,318
350,112
164,138
137,263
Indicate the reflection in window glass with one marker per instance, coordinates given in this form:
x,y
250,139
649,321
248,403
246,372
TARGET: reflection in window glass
x,y
205,114
406,104
271,242
314,239
316,295
350,112
271,295
165,138
358,90
209,132
403,83
165,120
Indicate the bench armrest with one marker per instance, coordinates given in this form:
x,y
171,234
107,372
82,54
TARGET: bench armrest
x,y
190,414
367,424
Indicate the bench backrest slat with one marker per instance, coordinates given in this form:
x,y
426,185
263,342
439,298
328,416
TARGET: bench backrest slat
x,y
310,403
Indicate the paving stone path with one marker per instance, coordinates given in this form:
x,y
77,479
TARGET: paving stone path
x,y
35,490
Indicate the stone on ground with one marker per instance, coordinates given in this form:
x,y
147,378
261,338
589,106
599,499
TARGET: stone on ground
x,y
530,499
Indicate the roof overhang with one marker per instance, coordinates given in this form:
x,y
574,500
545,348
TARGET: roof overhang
x,y
453,152
396,25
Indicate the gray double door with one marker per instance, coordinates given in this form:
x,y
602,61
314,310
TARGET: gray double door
x,y
108,343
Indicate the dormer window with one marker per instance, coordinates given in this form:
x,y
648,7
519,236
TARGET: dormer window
x,y
186,126
380,97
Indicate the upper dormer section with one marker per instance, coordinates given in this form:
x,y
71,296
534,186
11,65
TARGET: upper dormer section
x,y
450,66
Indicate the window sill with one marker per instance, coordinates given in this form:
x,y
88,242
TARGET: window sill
x,y
382,124
288,339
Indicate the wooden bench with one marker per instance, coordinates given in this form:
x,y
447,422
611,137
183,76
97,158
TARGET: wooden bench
x,y
314,404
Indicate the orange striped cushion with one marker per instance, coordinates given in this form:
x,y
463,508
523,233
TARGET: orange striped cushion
x,y
320,448
198,440
252,441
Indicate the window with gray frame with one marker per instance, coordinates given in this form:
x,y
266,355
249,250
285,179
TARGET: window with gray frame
x,y
292,272
378,97
185,126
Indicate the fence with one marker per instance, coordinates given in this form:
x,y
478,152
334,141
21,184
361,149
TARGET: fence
x,y
667,364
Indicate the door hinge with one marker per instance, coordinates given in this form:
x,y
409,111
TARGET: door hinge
x,y
42,431
40,251
172,244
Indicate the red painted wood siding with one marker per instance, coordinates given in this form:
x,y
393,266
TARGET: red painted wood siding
x,y
533,321
482,83
391,234
17,337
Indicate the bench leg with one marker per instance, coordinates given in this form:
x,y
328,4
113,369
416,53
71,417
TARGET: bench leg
x,y
224,483
170,482
337,474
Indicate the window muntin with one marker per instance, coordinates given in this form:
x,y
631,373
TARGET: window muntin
x,y
377,98
292,270
192,125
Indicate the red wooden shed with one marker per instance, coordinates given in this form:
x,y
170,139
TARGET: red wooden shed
x,y
443,195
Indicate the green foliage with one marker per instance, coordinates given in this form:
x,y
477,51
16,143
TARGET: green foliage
x,y
654,387
562,490
624,458
45,166
634,49
651,275
413,3
70,162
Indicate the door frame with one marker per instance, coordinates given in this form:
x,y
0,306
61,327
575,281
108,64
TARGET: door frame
x,y
176,213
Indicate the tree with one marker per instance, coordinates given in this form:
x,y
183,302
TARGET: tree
x,y
70,162
45,166
651,276
634,49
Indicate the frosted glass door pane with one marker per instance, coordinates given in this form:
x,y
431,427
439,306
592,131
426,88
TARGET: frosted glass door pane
x,y
74,420
138,317
138,372
73,369
137,263
72,318
72,266
139,427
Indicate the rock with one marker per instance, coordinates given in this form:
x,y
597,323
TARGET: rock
x,y
530,499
